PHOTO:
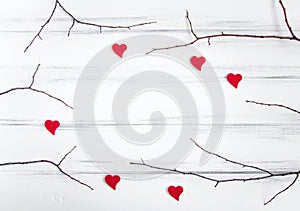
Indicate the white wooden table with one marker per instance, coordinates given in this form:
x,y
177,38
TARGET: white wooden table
x,y
262,136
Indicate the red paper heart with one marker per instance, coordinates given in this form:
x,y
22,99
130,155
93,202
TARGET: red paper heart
x,y
197,61
234,80
112,181
52,126
175,192
119,49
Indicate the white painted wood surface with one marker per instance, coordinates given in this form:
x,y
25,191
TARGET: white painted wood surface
x,y
267,137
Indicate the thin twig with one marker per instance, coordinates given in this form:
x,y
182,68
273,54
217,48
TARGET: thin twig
x,y
57,165
190,24
292,35
69,31
174,170
75,20
33,76
231,161
286,19
35,90
65,156
38,35
285,189
273,104
219,181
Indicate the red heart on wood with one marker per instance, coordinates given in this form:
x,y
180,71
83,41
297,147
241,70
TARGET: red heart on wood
x,y
112,181
175,192
197,61
52,126
234,80
119,49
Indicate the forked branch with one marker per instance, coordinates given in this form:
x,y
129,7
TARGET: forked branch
x,y
266,173
57,4
197,38
56,165
35,90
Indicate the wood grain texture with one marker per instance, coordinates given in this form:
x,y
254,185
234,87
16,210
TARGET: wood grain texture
x,y
266,137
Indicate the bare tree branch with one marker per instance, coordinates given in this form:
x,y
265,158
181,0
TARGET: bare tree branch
x,y
66,155
231,161
285,189
35,90
75,20
57,165
292,35
273,104
190,24
69,31
33,76
286,20
217,181
38,35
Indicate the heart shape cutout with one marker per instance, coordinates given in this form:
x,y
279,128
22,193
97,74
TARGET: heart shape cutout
x,y
119,49
234,80
112,181
197,61
51,126
175,192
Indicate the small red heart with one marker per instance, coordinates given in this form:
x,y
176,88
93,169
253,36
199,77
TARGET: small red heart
x,y
119,49
52,126
112,181
197,61
234,80
175,192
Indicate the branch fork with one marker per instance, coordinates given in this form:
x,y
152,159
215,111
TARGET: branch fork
x,y
266,173
292,36
58,4
56,165
30,87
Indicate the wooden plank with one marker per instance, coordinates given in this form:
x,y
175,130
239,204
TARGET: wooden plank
x,y
258,135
